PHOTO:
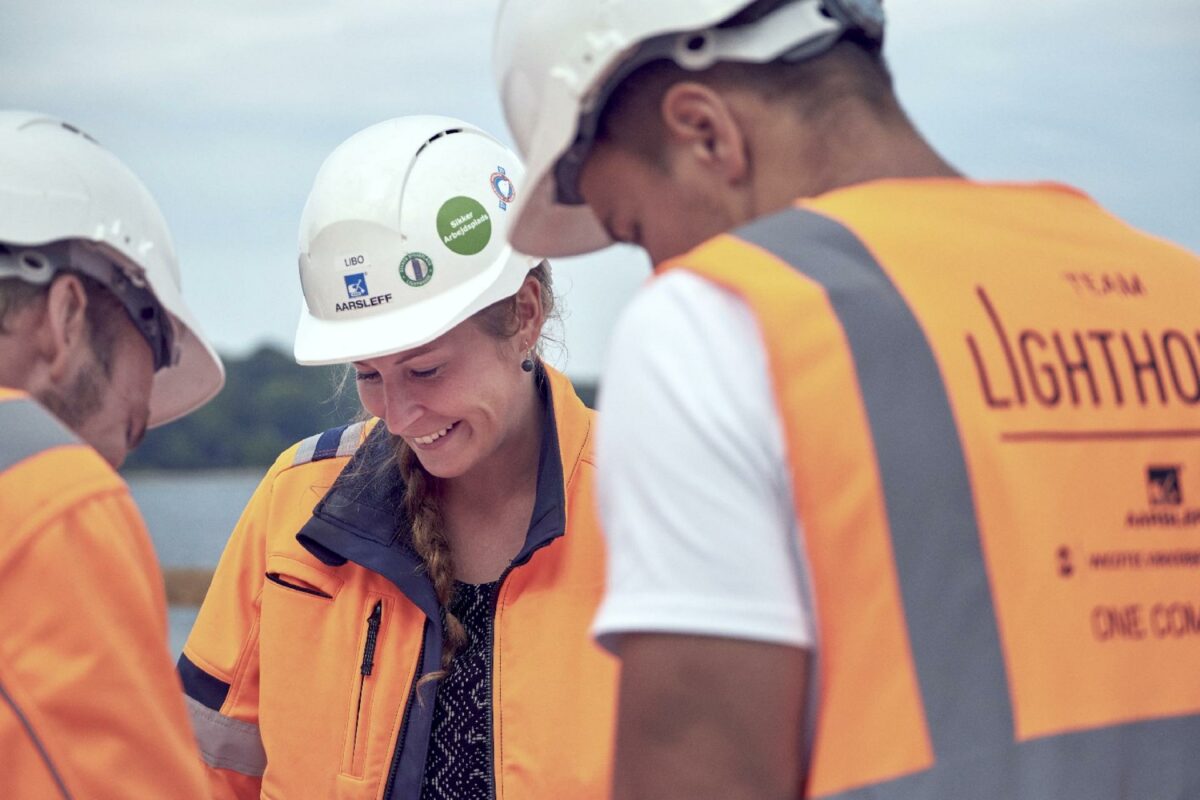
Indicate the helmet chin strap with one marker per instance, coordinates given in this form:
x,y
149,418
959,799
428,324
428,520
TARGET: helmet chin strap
x,y
39,264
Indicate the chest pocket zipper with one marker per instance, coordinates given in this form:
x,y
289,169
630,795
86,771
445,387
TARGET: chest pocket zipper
x,y
357,749
296,585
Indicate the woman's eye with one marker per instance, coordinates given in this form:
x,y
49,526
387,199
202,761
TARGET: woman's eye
x,y
366,377
424,373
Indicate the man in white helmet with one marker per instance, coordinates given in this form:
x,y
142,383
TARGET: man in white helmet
x,y
95,347
865,430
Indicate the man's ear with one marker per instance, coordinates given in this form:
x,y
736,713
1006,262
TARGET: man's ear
x,y
701,120
65,329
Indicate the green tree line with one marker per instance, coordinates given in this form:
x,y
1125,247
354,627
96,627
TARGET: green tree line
x,y
268,403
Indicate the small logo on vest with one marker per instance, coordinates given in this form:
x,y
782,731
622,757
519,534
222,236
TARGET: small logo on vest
x,y
1164,501
1162,486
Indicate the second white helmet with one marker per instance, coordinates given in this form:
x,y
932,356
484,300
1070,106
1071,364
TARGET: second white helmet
x,y
404,236
63,195
557,63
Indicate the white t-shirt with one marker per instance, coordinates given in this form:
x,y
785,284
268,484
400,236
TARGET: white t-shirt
x,y
694,485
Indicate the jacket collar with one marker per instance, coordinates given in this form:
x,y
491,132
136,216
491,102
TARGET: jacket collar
x,y
360,519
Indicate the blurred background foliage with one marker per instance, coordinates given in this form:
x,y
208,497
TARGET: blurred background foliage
x,y
269,403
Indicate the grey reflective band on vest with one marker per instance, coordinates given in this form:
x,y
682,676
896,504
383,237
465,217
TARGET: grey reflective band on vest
x,y
37,743
227,743
1139,761
944,584
27,429
930,509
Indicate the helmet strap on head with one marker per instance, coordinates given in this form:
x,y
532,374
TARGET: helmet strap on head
x,y
792,31
39,265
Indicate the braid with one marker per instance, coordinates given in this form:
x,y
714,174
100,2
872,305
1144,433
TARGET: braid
x,y
421,496
423,492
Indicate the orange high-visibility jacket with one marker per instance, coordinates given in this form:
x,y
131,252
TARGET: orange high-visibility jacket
x,y
318,582
991,401
89,704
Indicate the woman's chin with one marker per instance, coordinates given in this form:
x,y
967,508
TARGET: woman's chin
x,y
446,464
443,471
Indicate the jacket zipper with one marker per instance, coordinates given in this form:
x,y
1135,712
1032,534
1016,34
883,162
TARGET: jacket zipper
x,y
273,577
367,666
491,648
491,705
400,740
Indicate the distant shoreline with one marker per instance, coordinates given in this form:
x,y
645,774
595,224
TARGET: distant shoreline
x,y
152,473
187,586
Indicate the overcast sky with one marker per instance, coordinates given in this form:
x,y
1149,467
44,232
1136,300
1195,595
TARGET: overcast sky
x,y
226,109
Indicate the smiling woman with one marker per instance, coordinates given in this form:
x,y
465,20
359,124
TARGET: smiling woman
x,y
462,391
446,578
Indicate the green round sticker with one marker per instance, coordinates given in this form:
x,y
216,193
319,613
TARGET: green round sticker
x,y
464,225
416,269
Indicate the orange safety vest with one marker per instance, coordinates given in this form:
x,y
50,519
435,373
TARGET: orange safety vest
x,y
991,398
89,704
304,599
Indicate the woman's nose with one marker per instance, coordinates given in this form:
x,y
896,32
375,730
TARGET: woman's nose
x,y
402,414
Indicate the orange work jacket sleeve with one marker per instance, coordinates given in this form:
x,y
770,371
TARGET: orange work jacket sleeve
x,y
91,707
220,660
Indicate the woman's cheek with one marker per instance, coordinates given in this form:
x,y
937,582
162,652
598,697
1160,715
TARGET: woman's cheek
x,y
371,397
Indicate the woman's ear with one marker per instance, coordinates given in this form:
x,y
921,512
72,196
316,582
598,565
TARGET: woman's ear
x,y
65,329
530,307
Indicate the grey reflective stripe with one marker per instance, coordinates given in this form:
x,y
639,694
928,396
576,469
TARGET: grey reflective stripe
x,y
347,444
944,584
27,429
1128,762
227,743
350,439
37,742
930,509
305,452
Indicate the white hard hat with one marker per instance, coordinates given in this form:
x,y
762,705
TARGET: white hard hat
x,y
556,64
404,236
66,201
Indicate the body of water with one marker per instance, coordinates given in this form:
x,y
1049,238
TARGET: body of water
x,y
190,516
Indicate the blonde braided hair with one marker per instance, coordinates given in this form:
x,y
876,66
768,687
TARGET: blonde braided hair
x,y
422,492
422,506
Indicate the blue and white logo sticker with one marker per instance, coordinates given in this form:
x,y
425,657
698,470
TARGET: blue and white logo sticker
x,y
416,269
356,285
503,187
